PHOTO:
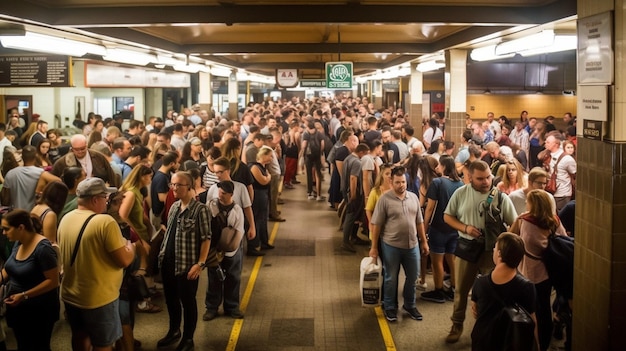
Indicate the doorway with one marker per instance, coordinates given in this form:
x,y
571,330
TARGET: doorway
x,y
174,99
24,106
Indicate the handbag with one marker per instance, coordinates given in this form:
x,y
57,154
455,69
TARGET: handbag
x,y
470,250
551,186
230,239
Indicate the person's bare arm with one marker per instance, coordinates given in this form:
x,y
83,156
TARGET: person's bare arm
x,y
124,255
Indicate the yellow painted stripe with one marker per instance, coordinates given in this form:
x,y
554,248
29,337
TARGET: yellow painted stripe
x,y
384,330
236,330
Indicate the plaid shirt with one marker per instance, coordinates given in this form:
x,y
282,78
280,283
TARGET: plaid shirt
x,y
192,228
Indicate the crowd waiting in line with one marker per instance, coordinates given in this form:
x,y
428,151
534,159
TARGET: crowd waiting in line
x,y
165,198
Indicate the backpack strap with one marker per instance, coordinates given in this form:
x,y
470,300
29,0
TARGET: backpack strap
x,y
80,236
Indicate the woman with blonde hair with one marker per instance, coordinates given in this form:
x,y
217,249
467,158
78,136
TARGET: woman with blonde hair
x,y
534,227
381,186
32,129
231,150
132,212
514,177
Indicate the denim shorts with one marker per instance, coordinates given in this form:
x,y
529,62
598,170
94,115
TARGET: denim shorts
x,y
442,242
102,324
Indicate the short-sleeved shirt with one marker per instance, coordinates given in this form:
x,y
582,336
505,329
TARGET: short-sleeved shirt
x,y
22,183
518,290
160,185
190,228
466,204
351,167
430,135
240,195
28,273
441,190
94,279
566,166
398,219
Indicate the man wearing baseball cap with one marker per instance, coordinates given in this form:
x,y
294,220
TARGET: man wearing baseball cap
x,y
94,254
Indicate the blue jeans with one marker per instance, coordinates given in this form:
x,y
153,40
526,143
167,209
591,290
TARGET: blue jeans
x,y
227,290
392,258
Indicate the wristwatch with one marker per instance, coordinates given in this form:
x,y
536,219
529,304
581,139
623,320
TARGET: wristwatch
x,y
202,265
24,294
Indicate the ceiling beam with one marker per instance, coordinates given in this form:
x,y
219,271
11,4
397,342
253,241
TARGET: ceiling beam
x,y
305,48
358,13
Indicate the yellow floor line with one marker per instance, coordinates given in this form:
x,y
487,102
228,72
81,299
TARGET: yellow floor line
x,y
384,330
236,330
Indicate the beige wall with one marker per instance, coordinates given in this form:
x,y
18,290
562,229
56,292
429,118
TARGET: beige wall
x,y
511,106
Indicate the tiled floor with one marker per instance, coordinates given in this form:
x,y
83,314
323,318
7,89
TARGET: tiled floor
x,y
305,297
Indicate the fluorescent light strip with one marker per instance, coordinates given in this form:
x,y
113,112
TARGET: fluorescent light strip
x,y
129,57
51,45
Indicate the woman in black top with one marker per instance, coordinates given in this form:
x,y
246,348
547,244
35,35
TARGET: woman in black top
x,y
261,202
33,277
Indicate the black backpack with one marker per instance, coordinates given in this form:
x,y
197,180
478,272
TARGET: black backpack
x,y
494,224
314,145
558,258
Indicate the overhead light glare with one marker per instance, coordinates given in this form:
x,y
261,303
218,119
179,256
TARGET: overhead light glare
x,y
433,65
535,41
129,57
52,45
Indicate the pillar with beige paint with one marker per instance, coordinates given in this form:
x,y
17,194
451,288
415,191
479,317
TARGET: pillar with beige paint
x,y
455,82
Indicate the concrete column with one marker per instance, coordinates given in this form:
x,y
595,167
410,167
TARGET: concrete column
x,y
233,93
455,82
600,253
416,90
205,91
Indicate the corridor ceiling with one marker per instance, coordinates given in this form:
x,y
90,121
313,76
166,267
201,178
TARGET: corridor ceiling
x,y
261,36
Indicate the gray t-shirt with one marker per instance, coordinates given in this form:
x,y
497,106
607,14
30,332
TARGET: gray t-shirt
x,y
398,219
518,198
22,183
351,166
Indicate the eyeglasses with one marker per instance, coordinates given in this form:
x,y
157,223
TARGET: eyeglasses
x,y
79,148
177,185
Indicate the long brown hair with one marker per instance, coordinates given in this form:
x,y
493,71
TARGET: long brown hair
x,y
541,209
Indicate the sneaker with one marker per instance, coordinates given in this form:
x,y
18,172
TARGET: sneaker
x,y
391,315
455,333
436,295
236,314
288,186
421,286
449,294
348,247
321,198
209,315
311,197
413,312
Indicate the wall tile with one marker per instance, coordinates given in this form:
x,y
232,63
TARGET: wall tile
x,y
619,246
618,279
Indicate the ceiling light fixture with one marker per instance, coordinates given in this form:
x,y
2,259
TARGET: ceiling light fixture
x,y
129,57
539,40
432,65
52,45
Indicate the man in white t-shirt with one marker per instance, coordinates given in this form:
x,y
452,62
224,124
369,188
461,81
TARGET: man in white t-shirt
x,y
565,167
4,142
494,126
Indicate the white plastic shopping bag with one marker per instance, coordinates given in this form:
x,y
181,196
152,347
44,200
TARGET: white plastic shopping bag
x,y
371,281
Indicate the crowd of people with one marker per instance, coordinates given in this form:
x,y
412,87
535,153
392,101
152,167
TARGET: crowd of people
x,y
174,188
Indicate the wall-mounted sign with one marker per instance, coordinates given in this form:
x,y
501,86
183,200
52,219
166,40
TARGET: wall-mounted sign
x,y
312,83
339,75
35,71
592,129
592,102
595,51
287,78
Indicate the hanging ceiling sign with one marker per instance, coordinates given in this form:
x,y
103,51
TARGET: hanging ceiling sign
x,y
35,71
287,78
339,75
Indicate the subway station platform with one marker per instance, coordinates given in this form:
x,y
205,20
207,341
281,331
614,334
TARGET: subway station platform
x,y
303,295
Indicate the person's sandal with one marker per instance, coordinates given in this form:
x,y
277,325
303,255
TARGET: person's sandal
x,y
149,308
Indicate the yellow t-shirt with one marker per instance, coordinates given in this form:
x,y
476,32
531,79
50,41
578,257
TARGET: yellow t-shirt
x,y
95,279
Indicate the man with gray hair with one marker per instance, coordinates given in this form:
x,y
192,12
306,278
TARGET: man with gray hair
x,y
93,163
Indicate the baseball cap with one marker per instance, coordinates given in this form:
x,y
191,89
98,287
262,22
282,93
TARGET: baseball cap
x,y
195,141
227,186
93,186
